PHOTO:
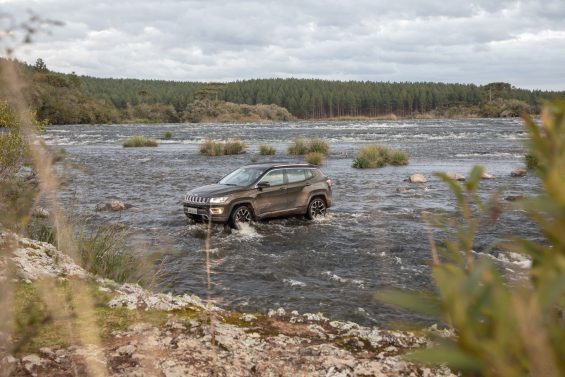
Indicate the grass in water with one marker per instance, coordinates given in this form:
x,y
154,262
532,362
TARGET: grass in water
x,y
377,156
168,135
220,148
267,150
137,141
318,146
103,251
301,146
532,161
314,158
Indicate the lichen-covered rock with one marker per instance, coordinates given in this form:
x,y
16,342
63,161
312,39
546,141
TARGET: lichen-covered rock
x,y
455,176
132,296
417,178
518,172
35,259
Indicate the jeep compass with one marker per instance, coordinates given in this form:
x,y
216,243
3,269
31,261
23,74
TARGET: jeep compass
x,y
261,191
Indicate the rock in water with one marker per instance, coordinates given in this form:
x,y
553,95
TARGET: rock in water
x,y
514,197
116,205
518,172
485,175
455,176
417,178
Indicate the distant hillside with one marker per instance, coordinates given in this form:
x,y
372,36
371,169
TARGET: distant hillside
x,y
68,98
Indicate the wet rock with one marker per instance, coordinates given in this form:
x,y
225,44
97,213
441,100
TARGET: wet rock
x,y
518,172
485,175
40,213
116,205
514,197
417,178
401,190
455,176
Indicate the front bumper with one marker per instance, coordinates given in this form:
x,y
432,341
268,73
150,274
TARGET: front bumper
x,y
206,212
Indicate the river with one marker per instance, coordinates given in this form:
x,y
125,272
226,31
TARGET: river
x,y
372,239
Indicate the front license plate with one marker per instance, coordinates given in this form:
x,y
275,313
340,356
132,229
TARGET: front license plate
x,y
191,210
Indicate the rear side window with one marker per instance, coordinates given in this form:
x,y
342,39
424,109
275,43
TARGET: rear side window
x,y
295,175
274,178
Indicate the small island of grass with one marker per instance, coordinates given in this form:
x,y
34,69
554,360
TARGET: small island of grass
x,y
221,148
138,141
378,156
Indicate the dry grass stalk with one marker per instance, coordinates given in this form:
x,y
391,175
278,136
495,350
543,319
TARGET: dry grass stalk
x,y
89,332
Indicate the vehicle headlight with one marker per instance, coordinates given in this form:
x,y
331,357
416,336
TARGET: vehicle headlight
x,y
219,200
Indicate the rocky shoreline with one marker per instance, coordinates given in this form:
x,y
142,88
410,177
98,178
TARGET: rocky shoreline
x,y
167,335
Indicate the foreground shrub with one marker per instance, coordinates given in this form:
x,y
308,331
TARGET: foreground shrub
x,y
267,150
211,147
137,141
502,329
377,156
314,158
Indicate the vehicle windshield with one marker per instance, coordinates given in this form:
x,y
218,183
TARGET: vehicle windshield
x,y
244,176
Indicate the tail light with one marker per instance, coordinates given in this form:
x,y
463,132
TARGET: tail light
x,y
329,182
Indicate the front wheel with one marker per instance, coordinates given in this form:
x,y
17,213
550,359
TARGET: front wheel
x,y
240,215
316,208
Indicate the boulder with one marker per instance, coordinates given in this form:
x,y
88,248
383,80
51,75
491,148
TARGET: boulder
x,y
114,205
417,178
486,175
455,176
518,172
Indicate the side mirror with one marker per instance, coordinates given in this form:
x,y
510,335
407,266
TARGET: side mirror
x,y
262,185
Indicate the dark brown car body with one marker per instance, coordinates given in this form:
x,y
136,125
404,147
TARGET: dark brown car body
x,y
279,190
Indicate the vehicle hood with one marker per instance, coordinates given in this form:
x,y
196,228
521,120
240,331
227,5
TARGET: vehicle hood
x,y
214,190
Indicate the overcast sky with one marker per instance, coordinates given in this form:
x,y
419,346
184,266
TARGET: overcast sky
x,y
469,41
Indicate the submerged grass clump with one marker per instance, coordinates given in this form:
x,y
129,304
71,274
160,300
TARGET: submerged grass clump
x,y
103,251
532,161
267,150
314,158
301,146
377,156
138,141
168,135
220,148
298,146
318,146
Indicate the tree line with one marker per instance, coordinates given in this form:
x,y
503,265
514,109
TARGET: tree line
x,y
69,98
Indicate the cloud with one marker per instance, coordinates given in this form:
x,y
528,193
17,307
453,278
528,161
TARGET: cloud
x,y
478,41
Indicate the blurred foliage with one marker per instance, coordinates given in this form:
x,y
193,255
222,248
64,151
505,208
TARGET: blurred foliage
x,y
18,186
502,330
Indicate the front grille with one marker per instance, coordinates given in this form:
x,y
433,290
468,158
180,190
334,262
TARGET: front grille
x,y
196,199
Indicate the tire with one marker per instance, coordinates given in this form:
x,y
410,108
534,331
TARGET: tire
x,y
240,214
316,208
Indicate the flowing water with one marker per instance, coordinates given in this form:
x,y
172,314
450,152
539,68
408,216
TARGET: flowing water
x,y
372,239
